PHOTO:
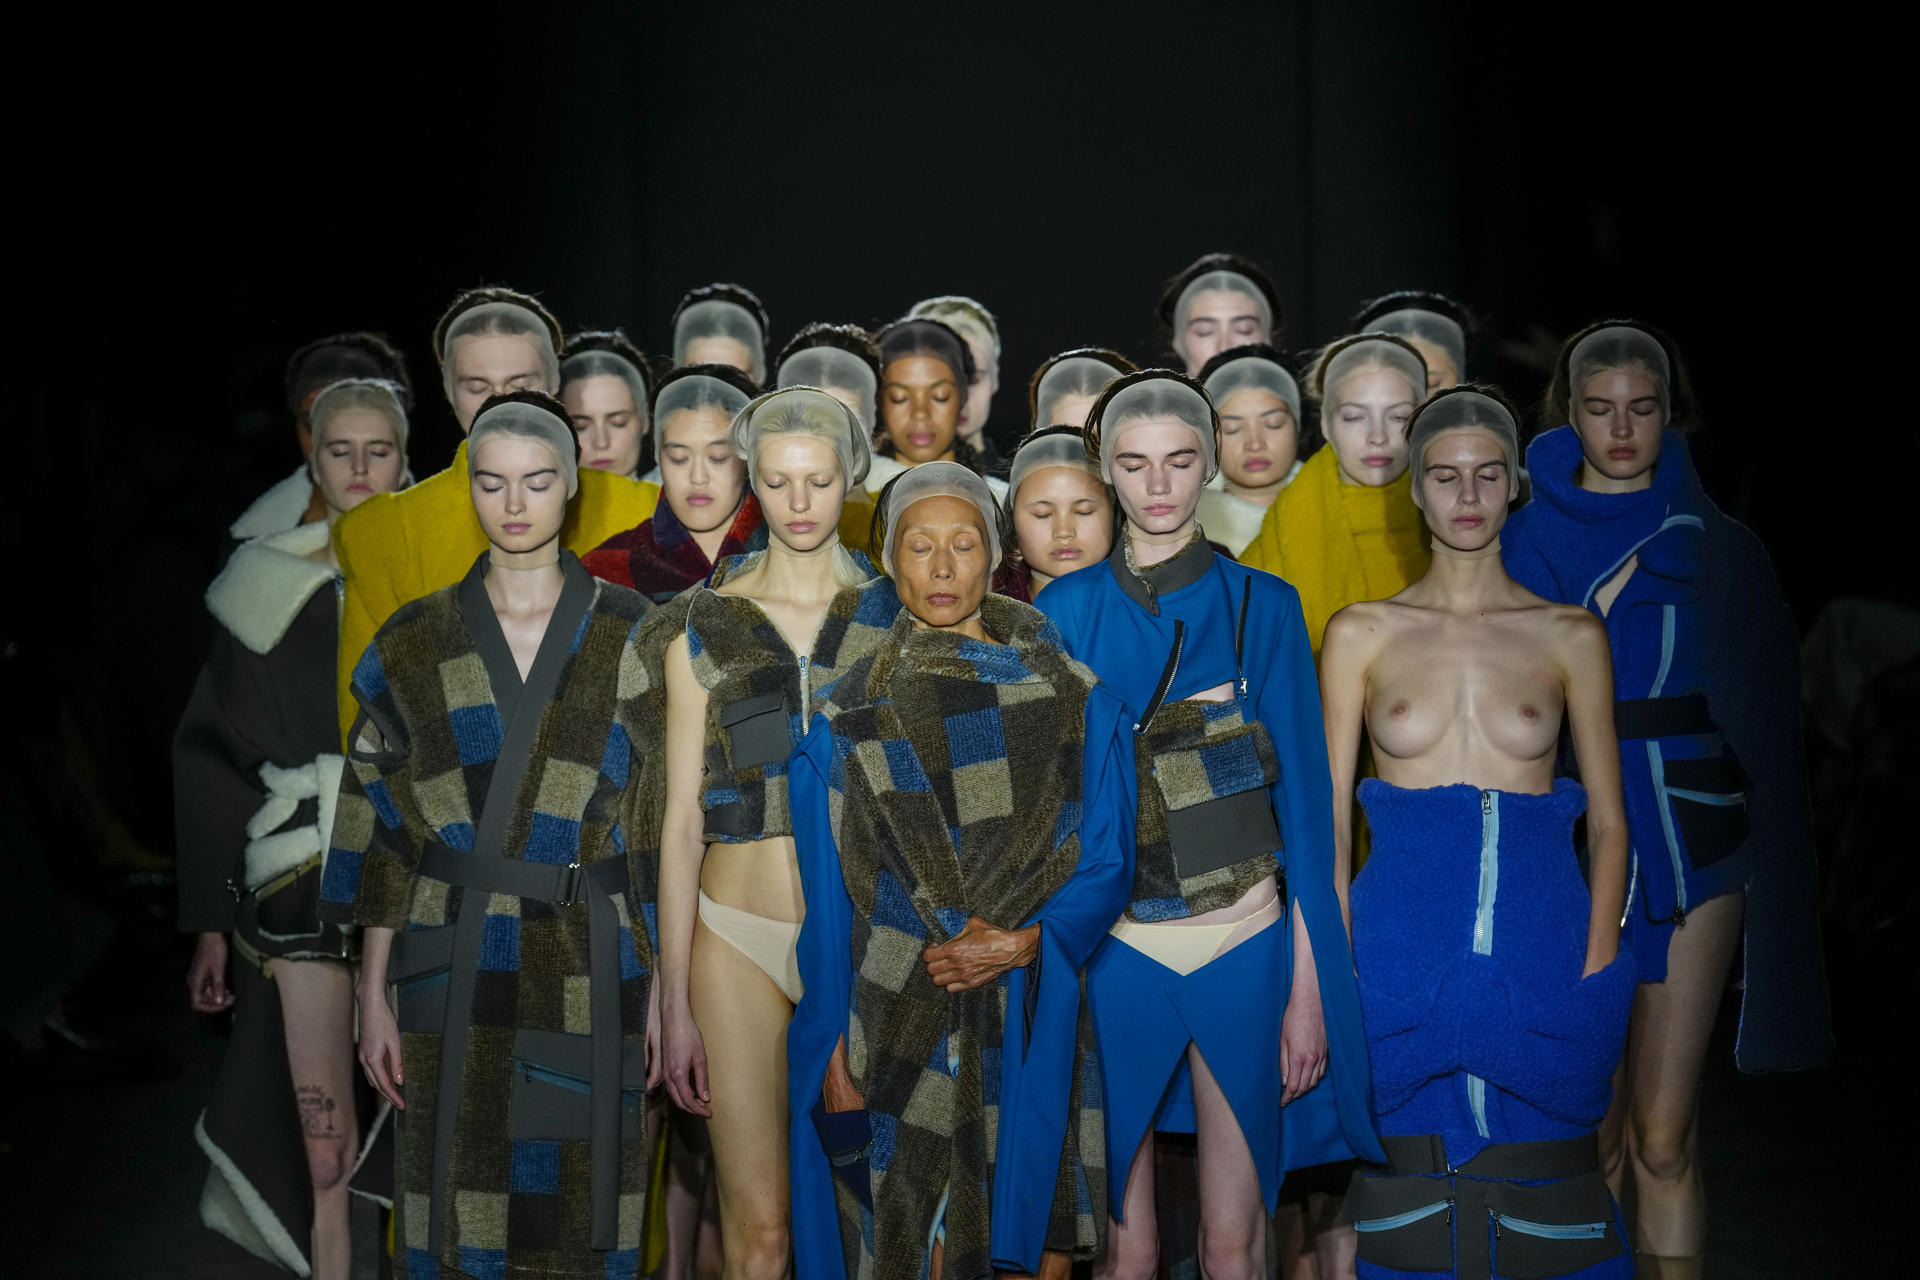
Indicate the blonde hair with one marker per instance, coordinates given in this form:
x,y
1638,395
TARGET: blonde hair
x,y
964,314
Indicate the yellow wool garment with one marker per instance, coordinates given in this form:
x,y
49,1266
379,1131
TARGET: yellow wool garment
x,y
1338,543
396,547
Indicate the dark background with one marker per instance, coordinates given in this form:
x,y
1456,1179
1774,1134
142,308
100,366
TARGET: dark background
x,y
206,198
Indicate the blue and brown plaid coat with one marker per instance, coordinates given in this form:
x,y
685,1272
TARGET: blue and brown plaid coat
x,y
949,778
455,758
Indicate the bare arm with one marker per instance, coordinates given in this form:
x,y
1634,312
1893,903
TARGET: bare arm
x,y
682,849
1587,663
1345,657
379,1031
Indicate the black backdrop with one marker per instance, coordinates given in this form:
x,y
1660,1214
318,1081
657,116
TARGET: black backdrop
x,y
207,198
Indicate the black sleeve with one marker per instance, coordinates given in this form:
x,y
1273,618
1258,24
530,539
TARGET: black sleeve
x,y
217,753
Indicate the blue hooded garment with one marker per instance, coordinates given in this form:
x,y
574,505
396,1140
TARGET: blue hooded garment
x,y
1700,615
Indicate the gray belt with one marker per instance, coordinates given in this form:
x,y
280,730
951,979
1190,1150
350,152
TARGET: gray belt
x,y
597,882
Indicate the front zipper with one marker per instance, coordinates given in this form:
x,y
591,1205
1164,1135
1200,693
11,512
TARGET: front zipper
x,y
1399,1220
1547,1230
533,1073
1483,929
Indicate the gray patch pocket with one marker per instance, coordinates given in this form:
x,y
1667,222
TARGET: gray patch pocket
x,y
419,966
757,732
553,1086
1222,832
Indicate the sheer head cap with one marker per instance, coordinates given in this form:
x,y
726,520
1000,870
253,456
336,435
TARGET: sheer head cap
x,y
803,411
965,316
1228,271
1416,313
1152,394
1468,406
345,355
378,394
501,311
1250,366
1369,351
723,310
938,480
608,353
1083,371
1048,447
1617,346
924,337
834,365
699,386
532,415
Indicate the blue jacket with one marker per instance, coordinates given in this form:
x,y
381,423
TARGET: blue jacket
x,y
1702,615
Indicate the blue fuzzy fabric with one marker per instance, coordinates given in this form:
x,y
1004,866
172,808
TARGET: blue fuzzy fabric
x,y
1701,614
1512,1010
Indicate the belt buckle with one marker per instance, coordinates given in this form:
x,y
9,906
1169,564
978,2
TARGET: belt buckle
x,y
569,885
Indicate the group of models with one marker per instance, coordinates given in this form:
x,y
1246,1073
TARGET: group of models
x,y
732,767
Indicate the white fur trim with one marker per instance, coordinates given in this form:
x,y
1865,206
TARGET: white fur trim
x,y
268,582
270,850
278,509
230,1206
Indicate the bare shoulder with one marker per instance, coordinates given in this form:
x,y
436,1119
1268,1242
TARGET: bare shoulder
x,y
1577,636
1360,629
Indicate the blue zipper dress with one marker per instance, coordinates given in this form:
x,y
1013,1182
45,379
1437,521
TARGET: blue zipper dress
x,y
1124,626
1707,685
1492,1058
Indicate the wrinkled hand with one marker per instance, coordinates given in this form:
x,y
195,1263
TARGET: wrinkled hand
x,y
1303,1042
207,989
837,1090
980,953
656,1060
380,1044
686,1062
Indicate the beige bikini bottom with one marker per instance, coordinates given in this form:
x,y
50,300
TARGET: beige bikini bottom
x,y
770,944
1184,947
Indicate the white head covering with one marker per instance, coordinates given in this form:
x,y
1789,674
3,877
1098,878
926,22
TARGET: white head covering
x,y
1072,376
1232,282
377,394
826,366
693,391
1254,371
1457,410
596,362
1372,353
718,318
1442,331
1061,449
967,317
504,318
803,411
936,480
1157,394
1615,347
533,422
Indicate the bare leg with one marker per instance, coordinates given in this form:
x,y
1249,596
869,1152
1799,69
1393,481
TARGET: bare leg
x,y
743,1018
1673,1020
1336,1245
1613,1127
1133,1246
316,999
689,1172
1293,1240
1233,1217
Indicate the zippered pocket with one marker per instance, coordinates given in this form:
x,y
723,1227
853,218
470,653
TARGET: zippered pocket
x,y
419,966
1405,1223
553,1087
1526,1249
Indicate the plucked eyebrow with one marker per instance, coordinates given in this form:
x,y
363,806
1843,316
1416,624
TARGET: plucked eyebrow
x,y
495,475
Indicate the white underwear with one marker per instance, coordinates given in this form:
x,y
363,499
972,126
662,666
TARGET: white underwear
x,y
1183,947
770,944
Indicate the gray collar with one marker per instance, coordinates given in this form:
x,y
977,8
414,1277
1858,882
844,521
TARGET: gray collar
x,y
1145,586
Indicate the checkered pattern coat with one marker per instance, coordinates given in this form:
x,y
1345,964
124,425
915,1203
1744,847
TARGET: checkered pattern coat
x,y
430,747
949,778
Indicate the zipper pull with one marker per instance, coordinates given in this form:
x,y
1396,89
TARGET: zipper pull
x,y
1486,803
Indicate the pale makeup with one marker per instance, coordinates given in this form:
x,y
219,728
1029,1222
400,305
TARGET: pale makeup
x,y
1062,521
519,492
800,486
1619,417
1158,473
1217,320
358,456
700,477
484,365
607,422
1259,441
1366,425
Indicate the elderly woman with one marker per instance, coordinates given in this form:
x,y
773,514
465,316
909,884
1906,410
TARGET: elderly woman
x,y
479,844
963,808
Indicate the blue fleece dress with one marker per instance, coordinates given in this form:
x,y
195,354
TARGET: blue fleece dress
x,y
1722,807
1145,1014
1469,936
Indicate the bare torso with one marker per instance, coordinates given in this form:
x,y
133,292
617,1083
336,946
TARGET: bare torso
x,y
1465,695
